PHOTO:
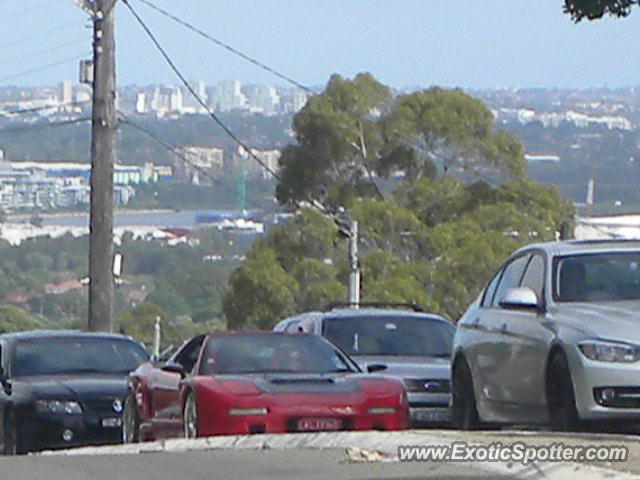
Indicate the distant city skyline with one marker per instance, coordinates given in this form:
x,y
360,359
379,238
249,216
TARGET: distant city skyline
x,y
404,43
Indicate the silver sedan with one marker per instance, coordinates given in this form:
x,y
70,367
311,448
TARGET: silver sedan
x,y
553,338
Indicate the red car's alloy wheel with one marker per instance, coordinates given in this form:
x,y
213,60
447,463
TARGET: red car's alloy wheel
x,y
130,421
191,416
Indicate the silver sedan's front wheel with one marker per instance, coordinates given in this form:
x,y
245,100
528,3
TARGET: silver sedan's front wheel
x,y
190,416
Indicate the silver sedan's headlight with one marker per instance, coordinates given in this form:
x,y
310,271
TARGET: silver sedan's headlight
x,y
58,406
609,351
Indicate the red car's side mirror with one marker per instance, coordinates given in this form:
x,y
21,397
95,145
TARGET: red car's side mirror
x,y
174,368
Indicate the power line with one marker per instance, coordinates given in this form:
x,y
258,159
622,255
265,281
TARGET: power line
x,y
228,47
314,203
125,120
19,13
41,34
234,51
41,52
44,125
186,84
44,67
46,107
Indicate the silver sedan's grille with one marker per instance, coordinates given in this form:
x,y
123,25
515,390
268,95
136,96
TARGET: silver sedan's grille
x,y
427,385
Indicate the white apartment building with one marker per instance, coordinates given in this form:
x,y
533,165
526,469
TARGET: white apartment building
x,y
270,158
197,164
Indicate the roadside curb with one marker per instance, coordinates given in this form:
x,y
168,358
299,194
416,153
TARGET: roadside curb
x,y
386,443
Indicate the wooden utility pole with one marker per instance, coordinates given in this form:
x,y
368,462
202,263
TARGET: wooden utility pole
x,y
103,137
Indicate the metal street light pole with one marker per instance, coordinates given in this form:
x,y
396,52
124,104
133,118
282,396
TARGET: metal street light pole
x,y
354,265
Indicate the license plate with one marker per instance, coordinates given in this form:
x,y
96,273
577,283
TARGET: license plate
x,y
421,416
318,424
112,422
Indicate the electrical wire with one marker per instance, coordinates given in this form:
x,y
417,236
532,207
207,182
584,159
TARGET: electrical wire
x,y
44,125
314,203
38,53
191,90
41,34
228,47
235,52
19,13
43,67
178,151
47,107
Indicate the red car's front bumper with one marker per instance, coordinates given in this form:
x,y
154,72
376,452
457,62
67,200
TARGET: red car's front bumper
x,y
301,412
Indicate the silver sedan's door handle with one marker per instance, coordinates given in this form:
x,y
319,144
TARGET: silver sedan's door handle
x,y
477,324
503,328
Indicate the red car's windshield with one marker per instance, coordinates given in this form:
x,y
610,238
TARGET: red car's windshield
x,y
272,353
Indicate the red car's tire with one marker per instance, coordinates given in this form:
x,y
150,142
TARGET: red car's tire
x,y
191,421
130,420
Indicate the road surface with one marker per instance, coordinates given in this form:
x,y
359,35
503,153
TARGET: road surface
x,y
228,465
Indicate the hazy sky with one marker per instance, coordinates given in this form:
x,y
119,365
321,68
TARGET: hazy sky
x,y
467,43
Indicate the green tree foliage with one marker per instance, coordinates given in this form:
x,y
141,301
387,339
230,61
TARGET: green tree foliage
x,y
594,9
357,131
435,241
338,141
262,291
449,127
140,324
181,280
12,319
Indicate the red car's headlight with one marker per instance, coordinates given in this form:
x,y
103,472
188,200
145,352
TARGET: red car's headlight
x,y
381,388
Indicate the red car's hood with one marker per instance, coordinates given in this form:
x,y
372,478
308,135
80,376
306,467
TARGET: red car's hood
x,y
298,383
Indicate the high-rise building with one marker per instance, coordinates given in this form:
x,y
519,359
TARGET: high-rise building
x,y
300,98
65,93
190,103
141,103
166,99
263,98
230,96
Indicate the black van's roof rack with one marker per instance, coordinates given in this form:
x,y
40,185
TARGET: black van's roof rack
x,y
411,306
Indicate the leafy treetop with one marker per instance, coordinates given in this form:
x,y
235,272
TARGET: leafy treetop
x,y
595,9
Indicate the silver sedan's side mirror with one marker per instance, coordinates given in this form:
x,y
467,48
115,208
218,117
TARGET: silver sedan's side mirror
x,y
520,297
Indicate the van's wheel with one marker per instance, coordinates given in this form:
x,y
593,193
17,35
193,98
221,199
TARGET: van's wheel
x,y
464,414
190,416
560,395
130,420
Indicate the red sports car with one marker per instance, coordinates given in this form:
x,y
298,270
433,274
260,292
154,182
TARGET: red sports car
x,y
241,383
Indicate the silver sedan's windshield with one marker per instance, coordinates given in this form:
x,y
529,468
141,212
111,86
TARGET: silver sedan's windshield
x,y
597,277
